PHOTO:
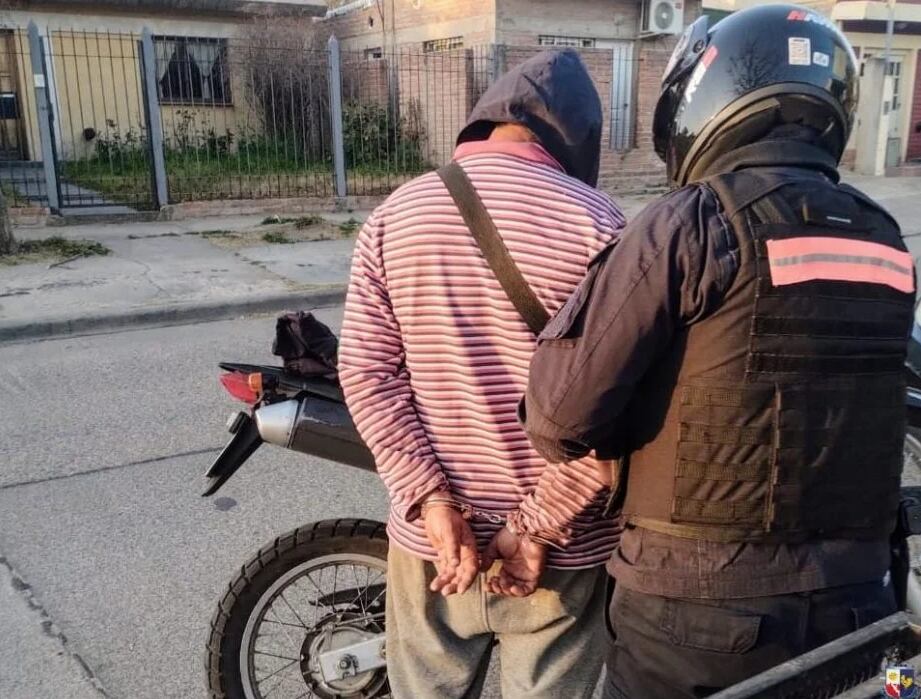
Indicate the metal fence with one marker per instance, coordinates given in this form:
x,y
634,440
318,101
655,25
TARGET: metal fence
x,y
139,121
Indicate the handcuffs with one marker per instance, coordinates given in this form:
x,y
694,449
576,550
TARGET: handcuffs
x,y
468,512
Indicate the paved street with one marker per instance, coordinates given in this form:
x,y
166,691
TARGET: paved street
x,y
103,442
110,562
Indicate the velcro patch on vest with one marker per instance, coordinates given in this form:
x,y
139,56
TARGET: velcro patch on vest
x,y
806,259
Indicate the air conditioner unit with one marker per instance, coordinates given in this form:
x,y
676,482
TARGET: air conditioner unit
x,y
663,16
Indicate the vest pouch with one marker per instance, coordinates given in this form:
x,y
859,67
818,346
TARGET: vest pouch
x,y
838,457
725,456
790,460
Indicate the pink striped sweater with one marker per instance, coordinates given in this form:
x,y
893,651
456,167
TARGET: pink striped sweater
x,y
434,357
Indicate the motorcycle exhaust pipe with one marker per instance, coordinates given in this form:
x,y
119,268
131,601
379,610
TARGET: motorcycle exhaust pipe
x,y
317,427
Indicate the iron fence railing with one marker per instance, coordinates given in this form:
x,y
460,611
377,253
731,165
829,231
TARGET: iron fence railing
x,y
403,110
139,121
100,127
244,120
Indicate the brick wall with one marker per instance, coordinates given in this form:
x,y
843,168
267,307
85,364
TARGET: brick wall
x,y
365,80
438,90
434,92
640,167
522,21
442,88
914,135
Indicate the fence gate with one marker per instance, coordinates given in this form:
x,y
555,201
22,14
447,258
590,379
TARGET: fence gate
x,y
100,128
622,95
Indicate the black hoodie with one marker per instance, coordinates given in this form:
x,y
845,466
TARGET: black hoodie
x,y
554,96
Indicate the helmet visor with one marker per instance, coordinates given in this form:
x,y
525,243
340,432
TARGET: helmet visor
x,y
688,51
662,119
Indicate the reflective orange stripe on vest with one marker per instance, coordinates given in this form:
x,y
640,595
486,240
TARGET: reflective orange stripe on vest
x,y
797,260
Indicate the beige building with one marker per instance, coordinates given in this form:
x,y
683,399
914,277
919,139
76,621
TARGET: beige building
x,y
92,63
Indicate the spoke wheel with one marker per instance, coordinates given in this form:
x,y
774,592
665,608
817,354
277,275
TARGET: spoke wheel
x,y
317,589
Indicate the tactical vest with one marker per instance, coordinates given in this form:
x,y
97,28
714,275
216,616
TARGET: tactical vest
x,y
781,416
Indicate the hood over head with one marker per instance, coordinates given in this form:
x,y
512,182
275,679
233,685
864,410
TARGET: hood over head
x,y
554,96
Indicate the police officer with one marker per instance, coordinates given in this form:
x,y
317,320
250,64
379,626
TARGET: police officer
x,y
740,352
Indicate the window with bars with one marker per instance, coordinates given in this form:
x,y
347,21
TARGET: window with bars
x,y
895,70
192,70
438,45
374,54
575,42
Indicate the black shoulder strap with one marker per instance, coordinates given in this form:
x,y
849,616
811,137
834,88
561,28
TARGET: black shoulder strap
x,y
741,190
497,255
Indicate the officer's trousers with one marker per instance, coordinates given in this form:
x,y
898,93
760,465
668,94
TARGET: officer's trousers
x,y
662,648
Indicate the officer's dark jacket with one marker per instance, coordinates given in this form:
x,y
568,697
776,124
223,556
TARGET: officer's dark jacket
x,y
740,349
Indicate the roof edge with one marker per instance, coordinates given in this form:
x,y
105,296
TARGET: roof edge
x,y
227,7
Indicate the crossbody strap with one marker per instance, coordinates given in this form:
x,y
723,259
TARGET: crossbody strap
x,y
490,242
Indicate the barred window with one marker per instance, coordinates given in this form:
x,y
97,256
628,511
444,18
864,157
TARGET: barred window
x,y
192,70
374,54
437,45
576,42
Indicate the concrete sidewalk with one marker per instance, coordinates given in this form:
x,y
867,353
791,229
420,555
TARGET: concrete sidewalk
x,y
163,273
173,272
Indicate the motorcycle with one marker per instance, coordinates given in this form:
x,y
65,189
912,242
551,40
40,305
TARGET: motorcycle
x,y
304,617
308,608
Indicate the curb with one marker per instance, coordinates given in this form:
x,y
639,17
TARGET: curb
x,y
176,314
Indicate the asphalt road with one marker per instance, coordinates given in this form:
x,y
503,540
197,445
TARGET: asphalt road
x,y
103,442
110,562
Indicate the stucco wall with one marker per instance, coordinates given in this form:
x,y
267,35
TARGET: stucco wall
x,y
401,23
522,21
95,77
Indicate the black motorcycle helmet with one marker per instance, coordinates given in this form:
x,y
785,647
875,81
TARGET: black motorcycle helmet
x,y
757,69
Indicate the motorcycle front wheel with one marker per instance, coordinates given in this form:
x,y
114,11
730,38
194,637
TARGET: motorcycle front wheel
x,y
314,590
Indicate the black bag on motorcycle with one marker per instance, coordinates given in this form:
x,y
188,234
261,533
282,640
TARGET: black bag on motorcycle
x,y
306,345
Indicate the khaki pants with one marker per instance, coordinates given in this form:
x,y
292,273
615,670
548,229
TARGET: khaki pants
x,y
550,644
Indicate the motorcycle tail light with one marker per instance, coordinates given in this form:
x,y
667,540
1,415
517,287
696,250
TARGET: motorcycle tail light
x,y
254,381
238,385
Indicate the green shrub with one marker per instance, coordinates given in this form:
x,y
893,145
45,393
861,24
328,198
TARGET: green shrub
x,y
277,237
373,139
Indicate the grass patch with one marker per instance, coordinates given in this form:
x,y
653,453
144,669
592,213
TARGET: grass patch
x,y
54,249
247,174
281,230
133,236
214,233
308,221
301,222
349,227
10,194
277,237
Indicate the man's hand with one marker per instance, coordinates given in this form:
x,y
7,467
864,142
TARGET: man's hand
x,y
458,560
523,562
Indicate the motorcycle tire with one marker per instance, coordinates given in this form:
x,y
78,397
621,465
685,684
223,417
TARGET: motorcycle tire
x,y
331,539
